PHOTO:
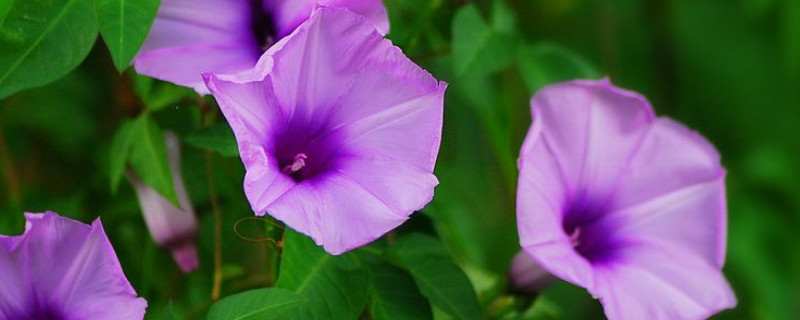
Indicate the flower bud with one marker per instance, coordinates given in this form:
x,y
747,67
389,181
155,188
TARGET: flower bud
x,y
171,227
526,276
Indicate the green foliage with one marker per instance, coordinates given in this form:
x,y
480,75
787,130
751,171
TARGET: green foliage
x,y
728,69
157,95
261,304
124,25
334,286
545,63
148,156
438,277
218,138
480,48
394,295
120,151
42,40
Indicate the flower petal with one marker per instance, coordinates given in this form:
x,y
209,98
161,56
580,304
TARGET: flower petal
x,y
664,284
336,212
288,14
89,282
14,283
189,37
184,65
592,129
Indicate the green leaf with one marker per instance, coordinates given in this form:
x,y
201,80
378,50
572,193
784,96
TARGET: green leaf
x,y
478,48
157,95
335,287
42,40
120,150
394,296
260,304
218,138
124,25
438,277
545,63
149,158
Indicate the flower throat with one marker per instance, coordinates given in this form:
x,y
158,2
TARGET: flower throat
x,y
262,25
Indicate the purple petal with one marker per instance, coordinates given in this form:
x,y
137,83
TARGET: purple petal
x,y
666,188
89,282
336,212
364,121
289,14
629,207
592,129
663,283
171,227
189,37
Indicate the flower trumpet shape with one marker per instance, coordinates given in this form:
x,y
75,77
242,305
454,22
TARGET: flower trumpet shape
x,y
627,205
337,129
172,227
189,37
61,269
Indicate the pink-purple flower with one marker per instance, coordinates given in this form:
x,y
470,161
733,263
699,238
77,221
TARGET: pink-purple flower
x,y
174,228
62,269
338,130
189,37
627,205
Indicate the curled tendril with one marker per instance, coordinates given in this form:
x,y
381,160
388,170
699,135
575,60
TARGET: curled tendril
x,y
277,243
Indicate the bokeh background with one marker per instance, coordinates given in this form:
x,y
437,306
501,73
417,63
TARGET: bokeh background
x,y
729,69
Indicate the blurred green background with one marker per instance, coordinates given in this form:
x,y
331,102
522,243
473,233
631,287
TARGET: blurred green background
x,y
729,69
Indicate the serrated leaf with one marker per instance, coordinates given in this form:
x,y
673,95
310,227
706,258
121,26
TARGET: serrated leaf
x,y
335,287
120,150
218,138
260,304
437,276
479,48
149,158
394,295
124,25
42,40
545,63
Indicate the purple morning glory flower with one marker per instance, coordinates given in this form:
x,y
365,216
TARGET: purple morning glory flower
x,y
338,130
190,37
627,205
174,228
61,269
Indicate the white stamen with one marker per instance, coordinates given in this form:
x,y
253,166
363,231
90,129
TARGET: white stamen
x,y
299,163
575,237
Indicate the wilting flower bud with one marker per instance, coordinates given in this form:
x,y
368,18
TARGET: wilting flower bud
x,y
171,227
526,276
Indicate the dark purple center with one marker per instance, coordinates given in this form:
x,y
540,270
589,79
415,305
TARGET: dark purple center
x,y
262,25
40,313
306,151
590,238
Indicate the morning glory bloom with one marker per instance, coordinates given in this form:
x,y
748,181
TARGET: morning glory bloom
x,y
627,205
174,228
189,37
337,129
62,269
